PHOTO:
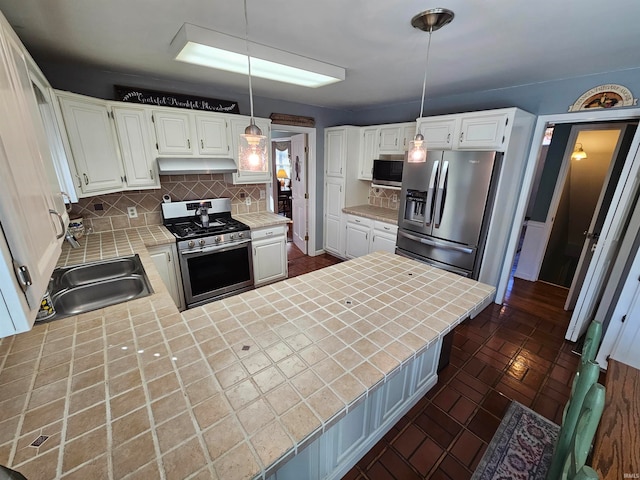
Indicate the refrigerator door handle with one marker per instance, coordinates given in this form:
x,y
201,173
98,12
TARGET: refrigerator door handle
x,y
428,214
434,243
442,190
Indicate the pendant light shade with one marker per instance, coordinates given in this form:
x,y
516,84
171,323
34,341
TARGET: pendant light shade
x,y
427,21
253,154
578,153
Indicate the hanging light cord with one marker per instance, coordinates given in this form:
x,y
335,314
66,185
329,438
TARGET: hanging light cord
x,y
246,25
426,66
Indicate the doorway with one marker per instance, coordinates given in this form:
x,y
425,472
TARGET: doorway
x,y
294,163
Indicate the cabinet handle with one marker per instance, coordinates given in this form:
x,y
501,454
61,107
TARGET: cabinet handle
x,y
396,142
79,180
448,138
69,207
189,144
201,143
151,174
122,179
366,236
63,228
168,257
86,179
461,136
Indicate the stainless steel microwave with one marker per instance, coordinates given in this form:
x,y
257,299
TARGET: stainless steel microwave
x,y
387,172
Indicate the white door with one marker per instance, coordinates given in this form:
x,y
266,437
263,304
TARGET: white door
x,y
299,190
593,233
606,248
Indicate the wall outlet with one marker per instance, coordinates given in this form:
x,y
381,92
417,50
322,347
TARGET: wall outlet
x,y
248,201
132,212
394,197
262,194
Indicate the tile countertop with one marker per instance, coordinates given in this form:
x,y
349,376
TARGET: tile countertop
x,y
228,390
262,219
376,213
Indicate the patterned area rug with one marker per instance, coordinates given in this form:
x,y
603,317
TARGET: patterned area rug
x,y
521,448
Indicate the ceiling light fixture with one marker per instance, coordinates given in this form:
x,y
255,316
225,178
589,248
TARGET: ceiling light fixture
x,y
578,153
427,21
252,145
200,46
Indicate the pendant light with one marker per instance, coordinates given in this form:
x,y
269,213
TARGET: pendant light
x,y
252,145
427,21
578,153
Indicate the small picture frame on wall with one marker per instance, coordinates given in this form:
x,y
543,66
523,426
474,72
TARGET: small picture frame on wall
x,y
604,96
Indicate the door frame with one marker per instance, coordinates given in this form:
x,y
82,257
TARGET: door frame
x,y
311,180
559,187
542,122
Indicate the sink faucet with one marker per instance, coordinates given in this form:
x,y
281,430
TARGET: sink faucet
x,y
69,237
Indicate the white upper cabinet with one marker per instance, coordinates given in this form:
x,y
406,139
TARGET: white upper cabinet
x,y
368,153
438,133
212,135
173,132
136,147
390,139
93,144
335,152
486,131
32,224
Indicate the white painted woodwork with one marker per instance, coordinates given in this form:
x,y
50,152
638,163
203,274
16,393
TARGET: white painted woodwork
x,y
482,131
299,193
383,237
136,147
369,152
93,144
334,202
165,259
29,230
358,230
269,254
342,444
408,134
438,133
212,135
532,251
173,132
389,139
335,152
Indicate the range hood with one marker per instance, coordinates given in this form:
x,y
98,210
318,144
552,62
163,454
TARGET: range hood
x,y
186,165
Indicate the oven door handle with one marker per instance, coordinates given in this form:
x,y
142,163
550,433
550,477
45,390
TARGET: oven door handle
x,y
433,243
215,248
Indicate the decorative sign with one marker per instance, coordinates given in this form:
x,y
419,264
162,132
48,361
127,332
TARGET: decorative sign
x,y
297,120
604,96
163,99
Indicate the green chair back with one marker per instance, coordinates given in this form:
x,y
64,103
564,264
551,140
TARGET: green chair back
x,y
591,342
584,432
587,376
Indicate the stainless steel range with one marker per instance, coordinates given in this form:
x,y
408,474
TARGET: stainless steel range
x,y
214,249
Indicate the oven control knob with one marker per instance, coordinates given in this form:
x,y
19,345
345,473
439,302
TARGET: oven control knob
x,y
191,244
232,236
240,234
218,239
202,242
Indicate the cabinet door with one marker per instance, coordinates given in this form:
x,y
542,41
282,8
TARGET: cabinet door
x,y
164,258
237,127
335,152
390,140
408,134
136,148
212,135
383,241
173,133
357,240
28,238
369,152
269,260
333,229
482,131
438,134
93,145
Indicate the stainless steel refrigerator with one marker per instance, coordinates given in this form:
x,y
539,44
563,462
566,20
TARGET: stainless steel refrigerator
x,y
444,209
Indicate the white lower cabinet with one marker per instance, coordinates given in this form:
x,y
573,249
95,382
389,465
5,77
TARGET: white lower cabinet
x,y
165,259
269,254
358,232
339,448
364,236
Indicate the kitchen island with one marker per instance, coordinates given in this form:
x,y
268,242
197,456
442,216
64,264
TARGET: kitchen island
x,y
243,387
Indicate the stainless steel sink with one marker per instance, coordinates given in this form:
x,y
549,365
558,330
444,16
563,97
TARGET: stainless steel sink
x,y
83,288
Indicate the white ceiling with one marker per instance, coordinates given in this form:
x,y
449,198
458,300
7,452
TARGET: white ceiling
x,y
491,44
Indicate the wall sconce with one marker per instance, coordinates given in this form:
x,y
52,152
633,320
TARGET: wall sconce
x,y
578,153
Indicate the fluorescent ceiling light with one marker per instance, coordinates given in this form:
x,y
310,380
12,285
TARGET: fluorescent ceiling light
x,y
213,49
